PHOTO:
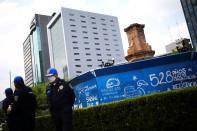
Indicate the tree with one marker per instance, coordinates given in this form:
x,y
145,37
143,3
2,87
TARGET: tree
x,y
42,106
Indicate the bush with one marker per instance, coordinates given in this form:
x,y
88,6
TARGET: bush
x,y
173,110
42,108
44,123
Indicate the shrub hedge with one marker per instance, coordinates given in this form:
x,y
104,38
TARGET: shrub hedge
x,y
172,110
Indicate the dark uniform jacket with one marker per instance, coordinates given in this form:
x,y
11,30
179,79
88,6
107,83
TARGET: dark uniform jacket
x,y
9,118
24,102
23,109
60,96
6,102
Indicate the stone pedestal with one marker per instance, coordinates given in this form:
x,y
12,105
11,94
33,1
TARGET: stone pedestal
x,y
138,48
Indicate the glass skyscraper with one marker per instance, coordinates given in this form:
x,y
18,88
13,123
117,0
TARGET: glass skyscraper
x,y
190,12
36,52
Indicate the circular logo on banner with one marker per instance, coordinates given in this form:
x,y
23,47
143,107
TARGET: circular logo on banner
x,y
112,82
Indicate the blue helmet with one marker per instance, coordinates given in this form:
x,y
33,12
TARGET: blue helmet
x,y
9,91
18,79
51,72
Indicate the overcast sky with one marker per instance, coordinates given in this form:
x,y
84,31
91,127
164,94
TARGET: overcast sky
x,y
164,22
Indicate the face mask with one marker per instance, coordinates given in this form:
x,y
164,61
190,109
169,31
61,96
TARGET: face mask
x,y
51,79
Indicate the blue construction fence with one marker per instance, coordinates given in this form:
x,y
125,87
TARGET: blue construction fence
x,y
134,79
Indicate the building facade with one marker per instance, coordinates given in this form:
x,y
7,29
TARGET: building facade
x,y
190,12
80,41
179,43
36,52
28,61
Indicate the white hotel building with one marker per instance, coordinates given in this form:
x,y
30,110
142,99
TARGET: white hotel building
x,y
79,41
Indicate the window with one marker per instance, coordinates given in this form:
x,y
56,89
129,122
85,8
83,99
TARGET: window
x,y
72,19
88,54
85,32
71,14
76,53
116,45
74,36
83,26
83,21
82,16
114,35
77,59
115,40
105,34
73,25
93,22
73,31
104,29
103,24
98,49
111,20
75,42
112,25
95,33
97,43
78,71
94,28
85,37
107,49
89,60
100,65
77,65
108,54
96,38
102,19
106,39
98,54
87,48
89,65
113,30
117,50
75,47
92,17
106,44
99,60
86,42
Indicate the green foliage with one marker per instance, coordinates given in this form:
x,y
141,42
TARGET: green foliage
x,y
42,108
44,123
39,91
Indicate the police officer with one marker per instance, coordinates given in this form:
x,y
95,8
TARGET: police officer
x,y
61,99
7,102
23,107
